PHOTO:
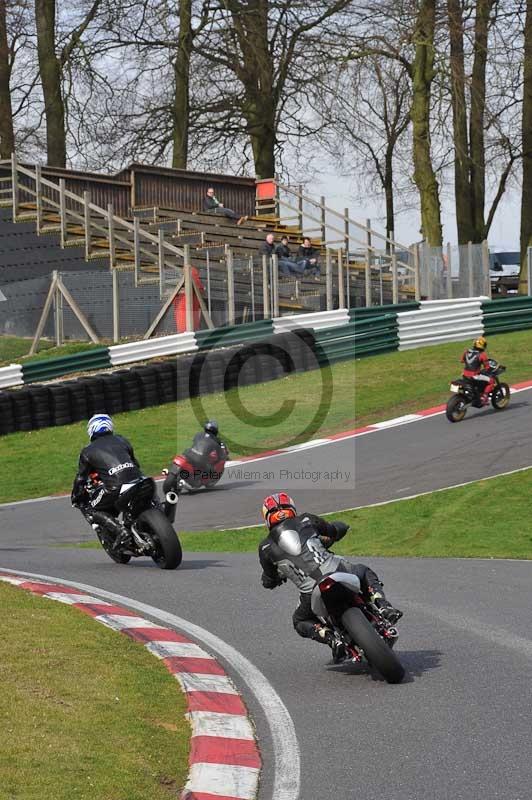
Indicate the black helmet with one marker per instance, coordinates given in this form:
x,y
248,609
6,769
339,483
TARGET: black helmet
x,y
211,426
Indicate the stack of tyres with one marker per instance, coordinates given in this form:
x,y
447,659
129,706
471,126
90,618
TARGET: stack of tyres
x,y
41,413
94,392
78,400
149,392
130,389
7,415
60,407
183,377
213,380
166,376
112,393
304,349
22,410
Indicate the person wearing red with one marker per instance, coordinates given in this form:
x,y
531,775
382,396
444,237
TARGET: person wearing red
x,y
477,368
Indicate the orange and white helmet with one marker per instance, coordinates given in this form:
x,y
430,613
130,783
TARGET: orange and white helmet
x,y
277,507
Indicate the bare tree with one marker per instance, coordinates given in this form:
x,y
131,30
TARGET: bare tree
x,y
7,134
526,129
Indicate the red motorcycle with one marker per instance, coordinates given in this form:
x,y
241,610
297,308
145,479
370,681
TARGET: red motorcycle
x,y
184,475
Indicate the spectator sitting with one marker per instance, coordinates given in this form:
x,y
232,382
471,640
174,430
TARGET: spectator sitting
x,y
212,205
287,265
308,255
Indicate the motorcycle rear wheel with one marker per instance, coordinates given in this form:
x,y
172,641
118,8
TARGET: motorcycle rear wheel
x,y
378,654
456,408
168,553
500,396
116,555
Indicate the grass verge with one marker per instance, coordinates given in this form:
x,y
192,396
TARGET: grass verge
x,y
85,712
442,524
250,419
399,383
14,349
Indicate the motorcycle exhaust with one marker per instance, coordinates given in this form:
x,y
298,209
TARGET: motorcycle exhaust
x,y
170,503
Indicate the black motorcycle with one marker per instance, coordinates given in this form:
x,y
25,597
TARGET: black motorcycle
x,y
468,392
357,624
144,530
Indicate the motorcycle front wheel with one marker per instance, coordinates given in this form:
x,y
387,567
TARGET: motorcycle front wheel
x,y
378,654
500,396
456,408
167,552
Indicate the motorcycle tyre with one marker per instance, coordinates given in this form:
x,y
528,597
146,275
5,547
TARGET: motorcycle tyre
x,y
455,402
169,553
378,654
500,397
117,556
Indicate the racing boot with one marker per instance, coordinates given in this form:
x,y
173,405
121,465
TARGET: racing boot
x,y
386,609
327,636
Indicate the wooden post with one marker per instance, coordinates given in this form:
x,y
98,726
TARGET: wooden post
x,y
470,269
87,224
252,286
368,263
323,225
168,302
449,272
486,269
346,232
341,295
14,185
417,292
208,267
116,307
38,198
62,211
275,286
189,318
265,290
160,261
45,312
136,250
300,208
58,314
328,279
77,311
395,283
111,234
230,286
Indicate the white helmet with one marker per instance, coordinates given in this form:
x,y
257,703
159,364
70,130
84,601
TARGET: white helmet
x,y
99,423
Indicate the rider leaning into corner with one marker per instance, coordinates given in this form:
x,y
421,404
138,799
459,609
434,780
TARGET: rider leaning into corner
x,y
297,548
477,367
206,449
105,464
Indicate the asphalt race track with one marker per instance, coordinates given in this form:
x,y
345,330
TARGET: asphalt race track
x,y
459,726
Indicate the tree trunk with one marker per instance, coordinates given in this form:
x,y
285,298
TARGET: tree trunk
x,y
388,194
7,136
422,74
478,110
462,168
50,71
526,197
181,91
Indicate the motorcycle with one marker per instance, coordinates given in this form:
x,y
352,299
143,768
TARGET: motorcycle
x,y
144,530
467,391
184,475
357,624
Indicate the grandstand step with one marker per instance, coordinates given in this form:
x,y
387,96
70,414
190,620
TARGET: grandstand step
x,y
148,281
25,217
75,242
6,203
50,229
100,254
120,266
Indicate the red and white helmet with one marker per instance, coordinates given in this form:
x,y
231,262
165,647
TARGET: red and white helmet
x,y
277,507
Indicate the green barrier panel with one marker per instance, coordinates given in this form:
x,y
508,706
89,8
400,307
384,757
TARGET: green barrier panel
x,y
54,367
233,334
371,311
507,305
506,327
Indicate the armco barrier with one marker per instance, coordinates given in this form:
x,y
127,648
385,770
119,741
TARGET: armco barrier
x,y
364,312
149,348
316,321
234,334
376,335
510,314
439,321
335,344
186,376
11,376
48,368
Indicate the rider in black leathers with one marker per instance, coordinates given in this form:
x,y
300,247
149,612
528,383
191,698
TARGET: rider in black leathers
x,y
106,464
297,548
206,450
